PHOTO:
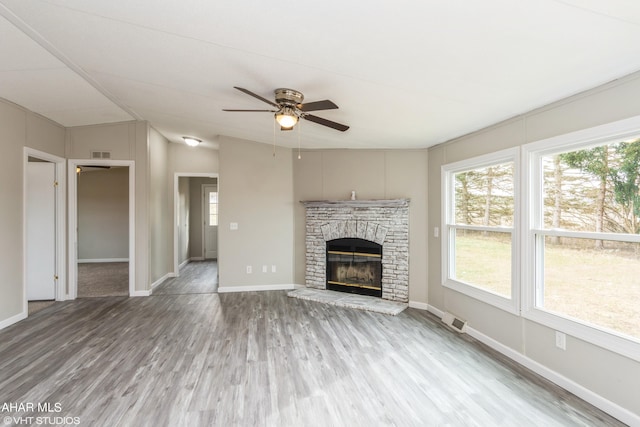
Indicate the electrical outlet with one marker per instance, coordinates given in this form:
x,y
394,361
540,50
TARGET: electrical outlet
x,y
264,268
436,232
249,269
273,268
561,340
233,226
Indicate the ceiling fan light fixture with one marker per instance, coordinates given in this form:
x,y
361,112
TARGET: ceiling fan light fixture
x,y
191,142
287,117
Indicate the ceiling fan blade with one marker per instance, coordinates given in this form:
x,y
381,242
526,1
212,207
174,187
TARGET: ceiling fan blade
x,y
255,95
318,105
251,111
325,122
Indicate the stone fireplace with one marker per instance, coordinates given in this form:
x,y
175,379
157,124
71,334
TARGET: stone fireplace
x,y
383,223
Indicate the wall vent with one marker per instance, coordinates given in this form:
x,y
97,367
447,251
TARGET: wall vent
x,y
101,154
454,323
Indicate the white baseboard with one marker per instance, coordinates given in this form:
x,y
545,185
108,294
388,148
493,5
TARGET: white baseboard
x,y
436,311
418,305
140,294
296,286
183,263
85,260
13,319
596,400
196,258
160,280
257,288
424,306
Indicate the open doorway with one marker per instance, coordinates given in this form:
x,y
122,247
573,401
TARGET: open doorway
x,y
195,237
44,207
103,231
101,228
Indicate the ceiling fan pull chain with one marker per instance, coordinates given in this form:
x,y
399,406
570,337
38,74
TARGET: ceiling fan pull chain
x,y
274,139
299,126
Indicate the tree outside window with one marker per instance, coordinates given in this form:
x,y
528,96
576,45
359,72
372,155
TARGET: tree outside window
x,y
479,229
588,250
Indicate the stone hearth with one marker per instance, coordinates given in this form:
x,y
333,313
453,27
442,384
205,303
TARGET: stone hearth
x,y
385,222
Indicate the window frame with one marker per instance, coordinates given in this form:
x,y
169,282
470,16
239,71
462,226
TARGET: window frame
x,y
533,232
449,227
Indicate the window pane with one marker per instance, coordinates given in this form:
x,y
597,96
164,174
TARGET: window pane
x,y
484,196
483,259
595,189
213,208
597,286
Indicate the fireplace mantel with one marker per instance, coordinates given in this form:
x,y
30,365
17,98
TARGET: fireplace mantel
x,y
390,203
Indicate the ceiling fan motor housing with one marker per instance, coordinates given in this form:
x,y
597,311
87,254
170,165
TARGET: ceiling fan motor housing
x,y
288,96
290,108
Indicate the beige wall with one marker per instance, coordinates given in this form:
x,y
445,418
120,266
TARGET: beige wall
x,y
255,191
44,135
18,128
117,138
372,174
103,214
607,374
185,159
160,209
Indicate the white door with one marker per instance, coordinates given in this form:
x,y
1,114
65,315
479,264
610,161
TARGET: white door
x,y
41,231
210,201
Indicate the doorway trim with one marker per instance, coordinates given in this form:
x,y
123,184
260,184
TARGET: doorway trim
x,y
60,212
73,219
176,226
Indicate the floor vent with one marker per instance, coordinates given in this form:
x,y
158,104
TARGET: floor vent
x,y
101,154
454,323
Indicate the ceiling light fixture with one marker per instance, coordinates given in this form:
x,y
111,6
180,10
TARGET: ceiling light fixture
x,y
286,117
191,142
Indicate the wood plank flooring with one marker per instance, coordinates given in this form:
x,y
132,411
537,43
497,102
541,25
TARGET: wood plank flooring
x,y
196,277
263,359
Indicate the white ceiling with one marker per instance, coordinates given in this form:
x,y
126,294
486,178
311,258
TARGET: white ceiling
x,y
405,73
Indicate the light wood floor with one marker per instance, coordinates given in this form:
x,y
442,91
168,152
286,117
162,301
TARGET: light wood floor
x,y
263,359
196,277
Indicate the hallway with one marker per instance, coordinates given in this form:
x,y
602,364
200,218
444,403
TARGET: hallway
x,y
197,277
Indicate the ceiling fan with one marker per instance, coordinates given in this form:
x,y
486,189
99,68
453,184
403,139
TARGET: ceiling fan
x,y
289,109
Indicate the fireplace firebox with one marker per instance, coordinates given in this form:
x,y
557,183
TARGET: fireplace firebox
x,y
355,266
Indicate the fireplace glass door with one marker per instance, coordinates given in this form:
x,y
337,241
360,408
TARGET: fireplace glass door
x,y
355,266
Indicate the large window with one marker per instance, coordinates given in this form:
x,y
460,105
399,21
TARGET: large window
x,y
479,228
583,239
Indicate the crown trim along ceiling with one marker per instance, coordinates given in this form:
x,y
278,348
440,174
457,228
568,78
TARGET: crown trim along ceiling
x,y
405,74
